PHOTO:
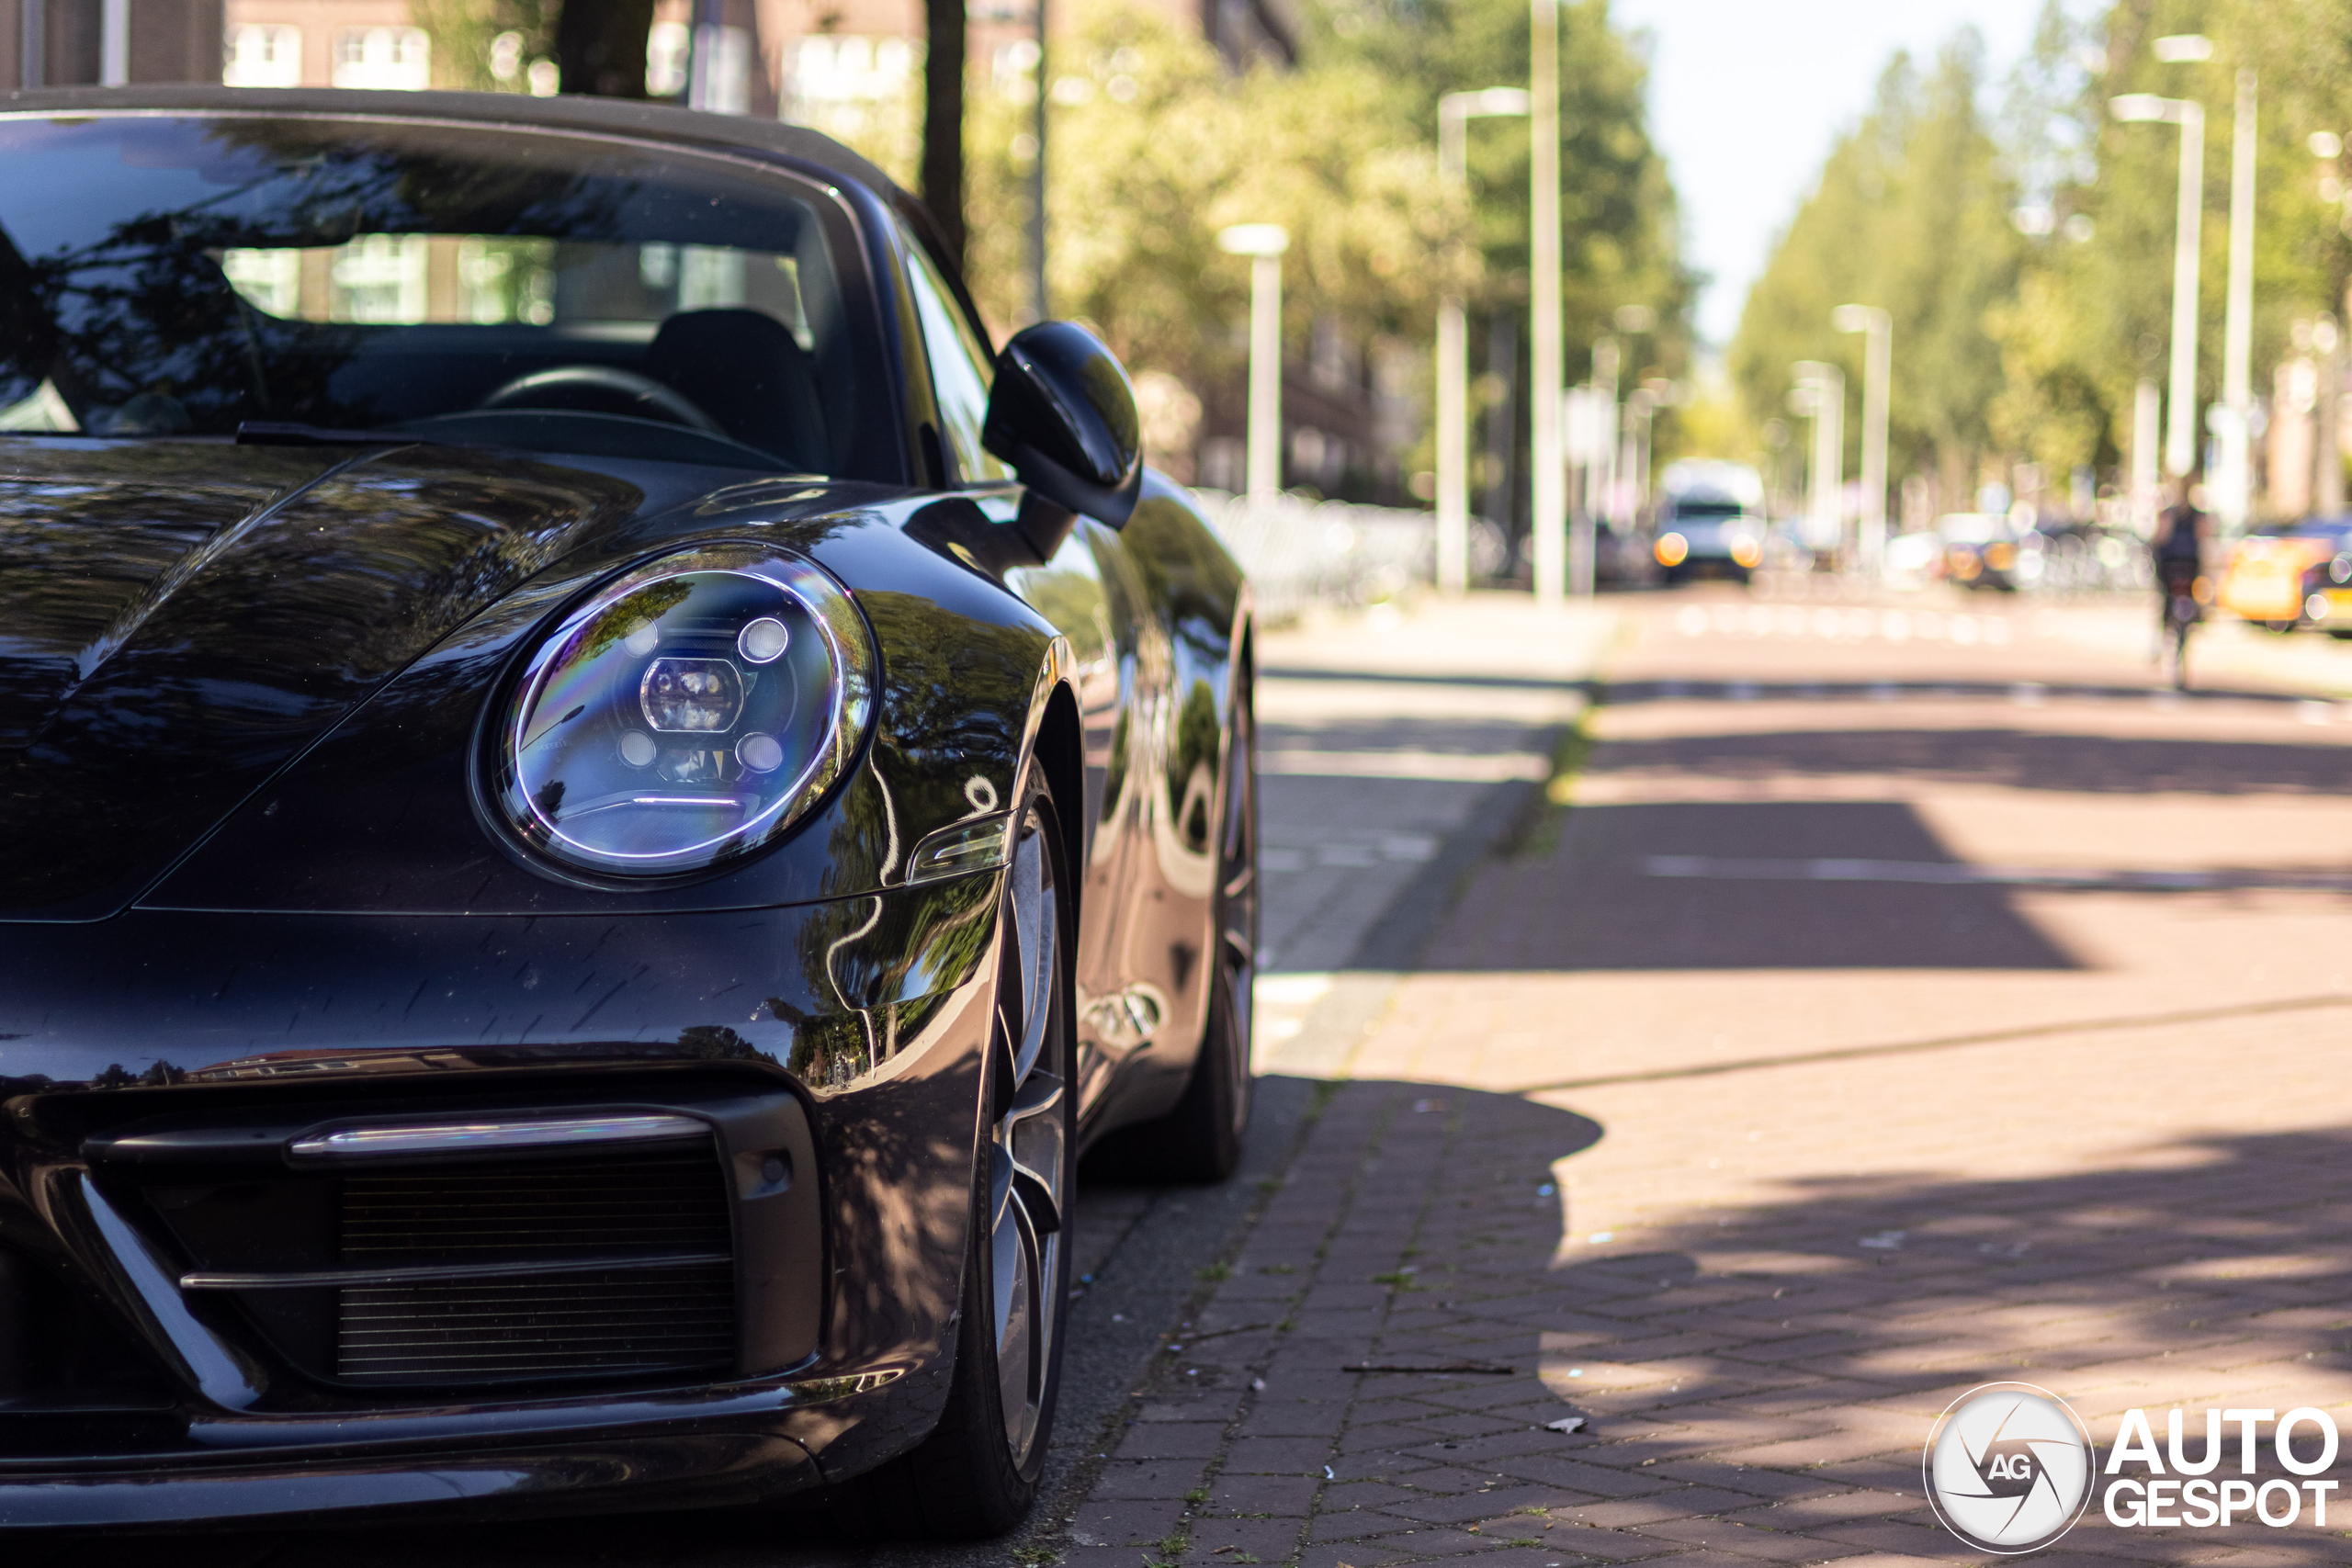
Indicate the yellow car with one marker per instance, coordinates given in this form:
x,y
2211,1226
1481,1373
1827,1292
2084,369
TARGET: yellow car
x,y
2280,576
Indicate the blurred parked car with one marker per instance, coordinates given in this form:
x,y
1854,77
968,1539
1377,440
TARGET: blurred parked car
x,y
2281,575
1708,536
1982,550
1711,520
1914,561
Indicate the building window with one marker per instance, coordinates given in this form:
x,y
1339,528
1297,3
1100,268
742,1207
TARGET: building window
x,y
667,49
398,58
379,278
829,69
271,281
263,56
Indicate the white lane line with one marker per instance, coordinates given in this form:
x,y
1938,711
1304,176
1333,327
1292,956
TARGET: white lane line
x,y
1444,767
1948,873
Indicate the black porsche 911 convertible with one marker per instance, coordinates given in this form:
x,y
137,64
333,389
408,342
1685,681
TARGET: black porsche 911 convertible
x,y
597,799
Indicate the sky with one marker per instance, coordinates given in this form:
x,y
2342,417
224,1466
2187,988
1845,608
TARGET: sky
x,y
1746,98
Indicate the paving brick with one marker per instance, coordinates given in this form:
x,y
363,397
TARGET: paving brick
x,y
1169,1440
1115,1522
2138,1230
1278,1456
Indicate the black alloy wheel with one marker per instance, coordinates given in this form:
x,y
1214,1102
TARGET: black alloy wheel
x,y
977,1475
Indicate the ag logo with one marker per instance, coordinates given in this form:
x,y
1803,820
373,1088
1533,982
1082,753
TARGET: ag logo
x,y
2009,1467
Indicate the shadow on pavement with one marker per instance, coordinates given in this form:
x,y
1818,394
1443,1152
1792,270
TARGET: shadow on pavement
x,y
1614,914
2007,758
1787,1356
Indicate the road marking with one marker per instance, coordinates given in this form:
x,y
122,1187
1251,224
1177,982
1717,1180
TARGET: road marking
x,y
1944,1043
1949,874
1845,626
1444,767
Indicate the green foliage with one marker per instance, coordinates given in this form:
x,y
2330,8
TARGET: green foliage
x,y
463,32
1154,147
1912,215
2027,256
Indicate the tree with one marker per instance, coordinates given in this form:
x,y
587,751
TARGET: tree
x,y
596,46
1157,146
1912,214
943,119
600,47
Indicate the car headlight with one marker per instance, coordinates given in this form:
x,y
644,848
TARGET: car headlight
x,y
1745,551
1670,549
686,713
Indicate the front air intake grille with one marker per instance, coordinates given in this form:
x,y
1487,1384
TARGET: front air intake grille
x,y
561,1209
618,1323
641,1281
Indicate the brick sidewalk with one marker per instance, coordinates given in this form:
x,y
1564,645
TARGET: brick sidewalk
x,y
1783,1204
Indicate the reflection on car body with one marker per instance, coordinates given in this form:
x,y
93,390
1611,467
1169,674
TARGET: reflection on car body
x,y
606,796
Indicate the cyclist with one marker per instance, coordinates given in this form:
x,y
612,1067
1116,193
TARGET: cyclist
x,y
2182,529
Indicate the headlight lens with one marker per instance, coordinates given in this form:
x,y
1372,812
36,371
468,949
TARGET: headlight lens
x,y
686,713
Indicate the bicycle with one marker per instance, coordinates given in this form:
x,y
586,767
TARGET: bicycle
x,y
2182,612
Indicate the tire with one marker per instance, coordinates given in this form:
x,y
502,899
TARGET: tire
x,y
1200,1140
977,1475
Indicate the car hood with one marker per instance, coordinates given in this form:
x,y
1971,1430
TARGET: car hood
x,y
180,619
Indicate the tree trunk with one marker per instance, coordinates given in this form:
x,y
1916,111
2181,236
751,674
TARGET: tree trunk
x,y
943,121
600,47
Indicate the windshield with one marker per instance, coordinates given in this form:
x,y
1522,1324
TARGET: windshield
x,y
174,276
1972,528
1705,506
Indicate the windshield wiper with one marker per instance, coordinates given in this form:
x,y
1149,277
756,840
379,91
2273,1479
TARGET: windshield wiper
x,y
258,434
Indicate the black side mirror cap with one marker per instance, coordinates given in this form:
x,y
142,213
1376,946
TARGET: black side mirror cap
x,y
1063,414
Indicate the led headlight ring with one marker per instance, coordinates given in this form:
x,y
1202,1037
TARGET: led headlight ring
x,y
686,713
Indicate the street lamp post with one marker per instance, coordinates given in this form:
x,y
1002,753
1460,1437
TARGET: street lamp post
x,y
1821,393
1595,448
2180,424
1549,484
1264,243
2237,328
1454,111
2145,420
1877,359
1038,303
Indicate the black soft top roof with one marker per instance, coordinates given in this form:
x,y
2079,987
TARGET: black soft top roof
x,y
613,117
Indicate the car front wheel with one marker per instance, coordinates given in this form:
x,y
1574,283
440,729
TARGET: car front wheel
x,y
977,1475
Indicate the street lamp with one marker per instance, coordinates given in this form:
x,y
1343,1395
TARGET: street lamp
x,y
1820,392
1264,243
1878,357
1548,487
2136,108
2237,322
1453,110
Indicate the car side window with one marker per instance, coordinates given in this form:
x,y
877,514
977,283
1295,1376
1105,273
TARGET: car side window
x,y
960,370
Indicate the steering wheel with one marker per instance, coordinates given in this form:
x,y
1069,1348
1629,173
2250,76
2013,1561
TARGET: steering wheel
x,y
601,389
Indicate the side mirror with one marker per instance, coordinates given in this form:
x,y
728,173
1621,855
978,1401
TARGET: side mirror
x,y
1063,414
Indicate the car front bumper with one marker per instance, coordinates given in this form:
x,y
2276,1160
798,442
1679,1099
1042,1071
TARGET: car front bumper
x,y
861,1022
